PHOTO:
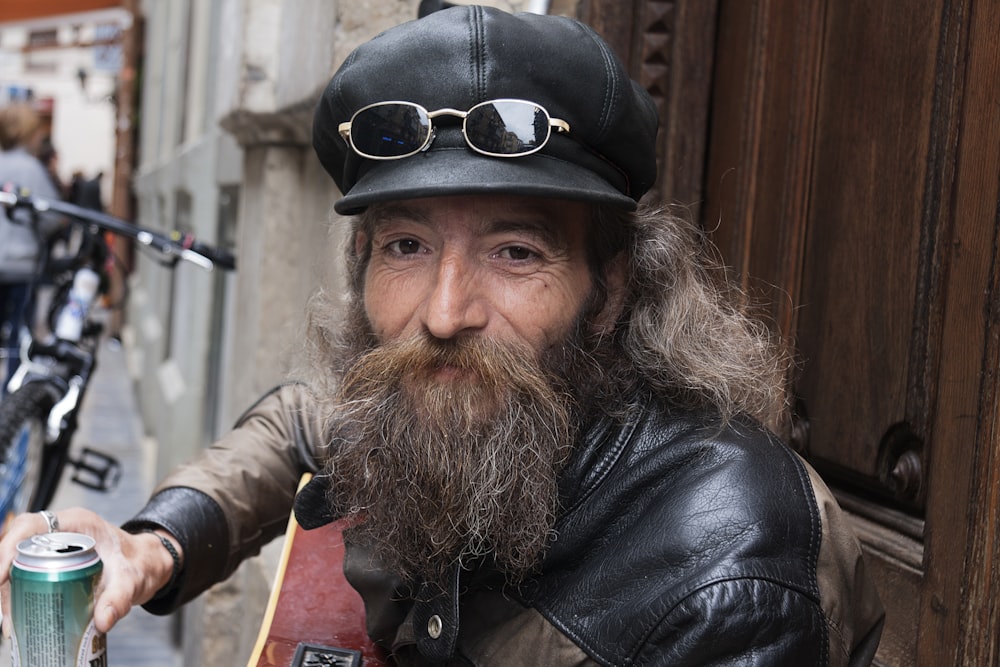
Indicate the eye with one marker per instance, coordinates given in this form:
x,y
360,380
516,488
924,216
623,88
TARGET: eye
x,y
517,253
404,247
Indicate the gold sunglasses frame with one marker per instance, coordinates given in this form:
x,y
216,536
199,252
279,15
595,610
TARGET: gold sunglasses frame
x,y
560,126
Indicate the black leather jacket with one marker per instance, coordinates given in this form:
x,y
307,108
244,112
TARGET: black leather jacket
x,y
681,543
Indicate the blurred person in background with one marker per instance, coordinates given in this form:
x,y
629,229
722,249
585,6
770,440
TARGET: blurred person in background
x,y
49,156
21,244
86,192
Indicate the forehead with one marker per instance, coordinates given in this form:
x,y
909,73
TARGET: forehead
x,y
557,221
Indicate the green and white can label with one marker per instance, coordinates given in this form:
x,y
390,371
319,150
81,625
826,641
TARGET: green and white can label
x,y
52,603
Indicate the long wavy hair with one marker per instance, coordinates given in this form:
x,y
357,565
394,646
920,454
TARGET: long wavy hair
x,y
688,331
685,333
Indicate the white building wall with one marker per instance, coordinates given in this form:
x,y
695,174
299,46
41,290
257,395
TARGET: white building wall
x,y
83,115
184,163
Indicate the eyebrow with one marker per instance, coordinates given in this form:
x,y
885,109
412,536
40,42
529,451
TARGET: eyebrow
x,y
540,229
386,212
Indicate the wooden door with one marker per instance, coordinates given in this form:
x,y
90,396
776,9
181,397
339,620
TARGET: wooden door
x,y
845,155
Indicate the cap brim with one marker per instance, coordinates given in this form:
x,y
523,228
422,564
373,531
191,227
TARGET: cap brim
x,y
460,171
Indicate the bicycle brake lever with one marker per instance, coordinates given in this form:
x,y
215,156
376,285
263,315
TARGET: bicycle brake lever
x,y
195,258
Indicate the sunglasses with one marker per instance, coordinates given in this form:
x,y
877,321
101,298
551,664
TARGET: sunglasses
x,y
497,128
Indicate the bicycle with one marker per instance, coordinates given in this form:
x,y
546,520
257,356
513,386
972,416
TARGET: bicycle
x,y
38,418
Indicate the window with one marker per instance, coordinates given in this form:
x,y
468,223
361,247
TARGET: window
x,y
43,39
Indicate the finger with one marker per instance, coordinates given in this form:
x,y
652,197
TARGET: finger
x,y
113,602
4,606
106,615
19,529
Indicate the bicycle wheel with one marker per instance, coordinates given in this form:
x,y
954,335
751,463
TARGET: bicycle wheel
x,y
22,448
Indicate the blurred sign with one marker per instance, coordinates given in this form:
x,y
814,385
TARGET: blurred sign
x,y
108,50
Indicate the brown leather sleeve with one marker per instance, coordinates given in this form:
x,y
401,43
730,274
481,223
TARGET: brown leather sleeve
x,y
850,603
236,496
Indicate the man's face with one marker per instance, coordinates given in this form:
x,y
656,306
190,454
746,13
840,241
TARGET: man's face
x,y
511,269
452,425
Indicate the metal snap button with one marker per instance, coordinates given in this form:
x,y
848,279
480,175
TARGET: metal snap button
x,y
434,626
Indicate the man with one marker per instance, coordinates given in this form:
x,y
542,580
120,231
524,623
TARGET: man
x,y
541,415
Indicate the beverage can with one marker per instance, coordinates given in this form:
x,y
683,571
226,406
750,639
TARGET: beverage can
x,y
52,585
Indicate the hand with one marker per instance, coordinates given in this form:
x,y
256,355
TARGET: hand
x,y
135,566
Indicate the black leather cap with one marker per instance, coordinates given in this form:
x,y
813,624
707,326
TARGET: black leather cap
x,y
458,57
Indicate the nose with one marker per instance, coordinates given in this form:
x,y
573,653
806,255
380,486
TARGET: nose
x,y
455,304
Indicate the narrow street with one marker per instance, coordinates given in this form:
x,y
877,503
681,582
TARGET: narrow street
x,y
110,423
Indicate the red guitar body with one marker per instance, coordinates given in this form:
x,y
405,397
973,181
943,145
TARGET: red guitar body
x,y
313,608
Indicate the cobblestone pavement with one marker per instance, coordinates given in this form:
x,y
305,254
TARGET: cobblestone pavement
x,y
109,422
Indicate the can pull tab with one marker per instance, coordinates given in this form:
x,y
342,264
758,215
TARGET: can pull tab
x,y
57,542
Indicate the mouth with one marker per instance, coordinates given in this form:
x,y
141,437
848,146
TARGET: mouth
x,y
448,373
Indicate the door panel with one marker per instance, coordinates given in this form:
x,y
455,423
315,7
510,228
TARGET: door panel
x,y
880,156
862,294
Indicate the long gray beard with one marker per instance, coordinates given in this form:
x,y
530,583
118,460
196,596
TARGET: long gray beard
x,y
442,472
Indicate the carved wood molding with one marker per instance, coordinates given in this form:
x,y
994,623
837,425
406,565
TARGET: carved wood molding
x,y
669,48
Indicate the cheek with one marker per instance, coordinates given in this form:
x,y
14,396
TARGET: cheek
x,y
545,312
390,301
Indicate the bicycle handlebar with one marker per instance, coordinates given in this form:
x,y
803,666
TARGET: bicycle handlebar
x,y
180,246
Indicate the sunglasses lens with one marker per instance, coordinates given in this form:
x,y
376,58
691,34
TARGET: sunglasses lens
x,y
507,127
390,130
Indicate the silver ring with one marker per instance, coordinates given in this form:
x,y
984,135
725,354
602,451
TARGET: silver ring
x,y
51,520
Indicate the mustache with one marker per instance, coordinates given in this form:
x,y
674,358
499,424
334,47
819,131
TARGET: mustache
x,y
495,368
